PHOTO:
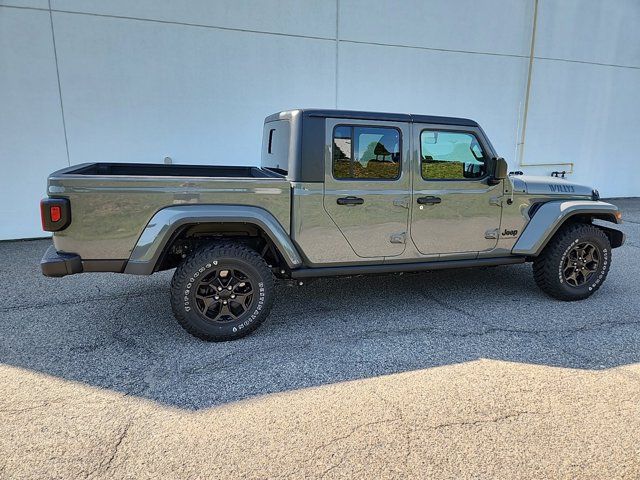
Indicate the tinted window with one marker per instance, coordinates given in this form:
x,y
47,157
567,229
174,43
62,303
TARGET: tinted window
x,y
366,152
275,145
451,155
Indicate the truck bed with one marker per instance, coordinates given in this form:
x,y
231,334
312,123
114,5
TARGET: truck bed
x,y
111,203
162,170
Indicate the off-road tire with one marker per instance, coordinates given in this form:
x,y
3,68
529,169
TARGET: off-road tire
x,y
191,279
549,266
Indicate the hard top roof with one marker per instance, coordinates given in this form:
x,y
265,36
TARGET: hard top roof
x,y
381,116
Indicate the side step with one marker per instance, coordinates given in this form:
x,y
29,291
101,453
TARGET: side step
x,y
403,267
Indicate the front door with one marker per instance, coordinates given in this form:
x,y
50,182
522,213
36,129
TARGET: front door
x,y
454,208
367,184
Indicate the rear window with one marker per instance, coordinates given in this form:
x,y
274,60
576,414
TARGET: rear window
x,y
275,146
371,153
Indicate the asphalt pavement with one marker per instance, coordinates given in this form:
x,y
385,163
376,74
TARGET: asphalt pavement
x,y
449,374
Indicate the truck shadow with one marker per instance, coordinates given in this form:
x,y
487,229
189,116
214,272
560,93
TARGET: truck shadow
x,y
118,332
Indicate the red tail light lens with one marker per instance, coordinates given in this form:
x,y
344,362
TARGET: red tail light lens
x,y
55,213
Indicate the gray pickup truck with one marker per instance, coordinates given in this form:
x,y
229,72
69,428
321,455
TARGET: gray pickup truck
x,y
337,193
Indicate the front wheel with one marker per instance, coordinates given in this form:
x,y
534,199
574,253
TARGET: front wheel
x,y
222,292
574,263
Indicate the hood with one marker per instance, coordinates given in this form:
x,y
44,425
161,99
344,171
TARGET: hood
x,y
539,185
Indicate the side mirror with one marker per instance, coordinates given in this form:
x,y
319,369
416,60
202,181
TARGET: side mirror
x,y
500,170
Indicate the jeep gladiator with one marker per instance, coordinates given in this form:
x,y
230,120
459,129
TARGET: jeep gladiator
x,y
337,193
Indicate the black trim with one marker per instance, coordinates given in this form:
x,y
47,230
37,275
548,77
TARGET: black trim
x,y
388,117
48,225
59,264
310,167
116,266
534,208
616,237
403,267
164,170
141,268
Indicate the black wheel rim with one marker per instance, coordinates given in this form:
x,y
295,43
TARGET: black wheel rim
x,y
580,264
224,295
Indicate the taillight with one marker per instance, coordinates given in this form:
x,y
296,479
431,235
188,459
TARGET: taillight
x,y
55,214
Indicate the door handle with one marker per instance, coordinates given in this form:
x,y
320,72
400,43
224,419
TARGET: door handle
x,y
429,200
350,201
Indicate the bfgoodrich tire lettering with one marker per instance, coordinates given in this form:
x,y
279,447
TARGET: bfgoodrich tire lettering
x,y
222,292
574,264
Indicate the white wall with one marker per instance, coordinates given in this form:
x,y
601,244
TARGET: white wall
x,y
584,102
193,80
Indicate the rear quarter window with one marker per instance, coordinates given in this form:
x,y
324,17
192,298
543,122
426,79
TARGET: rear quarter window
x,y
275,146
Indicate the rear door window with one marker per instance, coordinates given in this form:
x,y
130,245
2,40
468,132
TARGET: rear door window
x,y
366,153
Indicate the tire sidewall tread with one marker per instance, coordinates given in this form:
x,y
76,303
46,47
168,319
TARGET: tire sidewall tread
x,y
547,266
205,259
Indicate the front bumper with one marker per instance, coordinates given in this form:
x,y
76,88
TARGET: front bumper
x,y
58,264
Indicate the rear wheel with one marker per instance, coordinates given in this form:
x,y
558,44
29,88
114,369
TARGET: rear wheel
x,y
222,292
574,263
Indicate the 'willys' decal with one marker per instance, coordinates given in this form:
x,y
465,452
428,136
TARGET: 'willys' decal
x,y
562,188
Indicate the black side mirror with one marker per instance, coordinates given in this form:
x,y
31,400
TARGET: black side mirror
x,y
500,170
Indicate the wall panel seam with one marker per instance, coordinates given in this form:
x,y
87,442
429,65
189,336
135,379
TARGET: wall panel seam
x,y
434,49
55,56
197,25
337,46
585,62
24,8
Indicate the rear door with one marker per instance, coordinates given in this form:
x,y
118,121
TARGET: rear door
x,y
367,184
454,208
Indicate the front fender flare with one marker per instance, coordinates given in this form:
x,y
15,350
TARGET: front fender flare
x,y
550,217
165,222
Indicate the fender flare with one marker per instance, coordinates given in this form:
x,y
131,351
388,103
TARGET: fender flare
x,y
164,223
552,215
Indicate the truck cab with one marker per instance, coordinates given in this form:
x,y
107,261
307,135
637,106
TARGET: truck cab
x,y
386,187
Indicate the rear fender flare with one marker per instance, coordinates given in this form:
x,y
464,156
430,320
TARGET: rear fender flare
x,y
160,229
552,215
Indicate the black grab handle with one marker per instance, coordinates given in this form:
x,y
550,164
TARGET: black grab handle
x,y
350,201
431,200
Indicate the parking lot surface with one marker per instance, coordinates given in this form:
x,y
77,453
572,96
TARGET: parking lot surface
x,y
450,374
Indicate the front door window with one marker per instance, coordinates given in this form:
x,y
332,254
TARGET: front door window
x,y
451,156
